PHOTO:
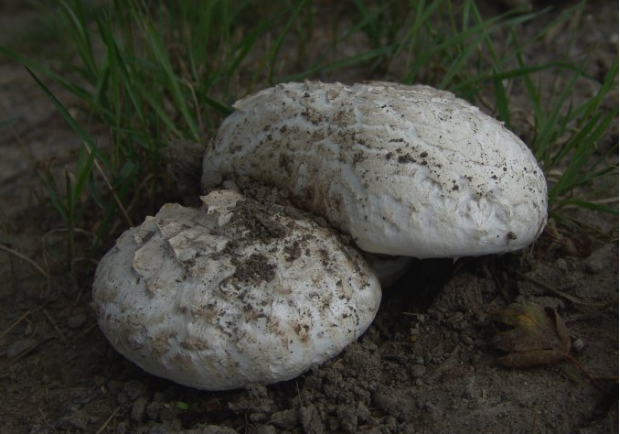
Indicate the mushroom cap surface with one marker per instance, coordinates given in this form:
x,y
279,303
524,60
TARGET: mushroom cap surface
x,y
232,293
405,170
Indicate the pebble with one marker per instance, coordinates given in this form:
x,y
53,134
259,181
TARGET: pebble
x,y
152,410
265,429
562,265
311,420
385,402
363,413
285,419
77,321
469,392
138,409
78,419
20,346
257,417
418,371
121,428
158,428
133,389
598,260
578,345
467,340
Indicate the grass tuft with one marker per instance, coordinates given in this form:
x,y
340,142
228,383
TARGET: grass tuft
x,y
153,72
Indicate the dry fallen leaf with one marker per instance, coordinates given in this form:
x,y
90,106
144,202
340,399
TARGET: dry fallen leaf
x,y
536,335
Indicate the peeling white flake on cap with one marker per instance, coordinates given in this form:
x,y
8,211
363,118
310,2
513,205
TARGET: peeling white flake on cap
x,y
406,170
232,293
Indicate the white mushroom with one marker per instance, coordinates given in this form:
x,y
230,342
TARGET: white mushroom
x,y
241,291
406,170
233,293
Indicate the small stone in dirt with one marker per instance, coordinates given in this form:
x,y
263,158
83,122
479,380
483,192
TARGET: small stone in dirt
x,y
265,429
78,419
598,260
121,428
152,410
347,415
133,389
578,345
258,417
76,321
469,392
20,347
467,340
138,409
363,413
158,428
285,419
386,402
311,420
417,371
562,265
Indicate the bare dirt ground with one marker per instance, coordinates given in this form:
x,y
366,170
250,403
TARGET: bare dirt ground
x,y
426,365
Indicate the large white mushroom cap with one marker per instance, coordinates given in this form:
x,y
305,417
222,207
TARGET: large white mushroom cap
x,y
233,293
406,170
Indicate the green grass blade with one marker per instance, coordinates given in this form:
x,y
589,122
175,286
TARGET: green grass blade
x,y
75,126
584,145
172,80
501,101
85,169
339,64
586,204
273,52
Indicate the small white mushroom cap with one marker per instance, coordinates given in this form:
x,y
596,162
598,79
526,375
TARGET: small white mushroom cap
x,y
406,170
232,293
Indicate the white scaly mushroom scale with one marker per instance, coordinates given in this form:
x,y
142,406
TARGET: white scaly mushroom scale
x,y
406,170
232,293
